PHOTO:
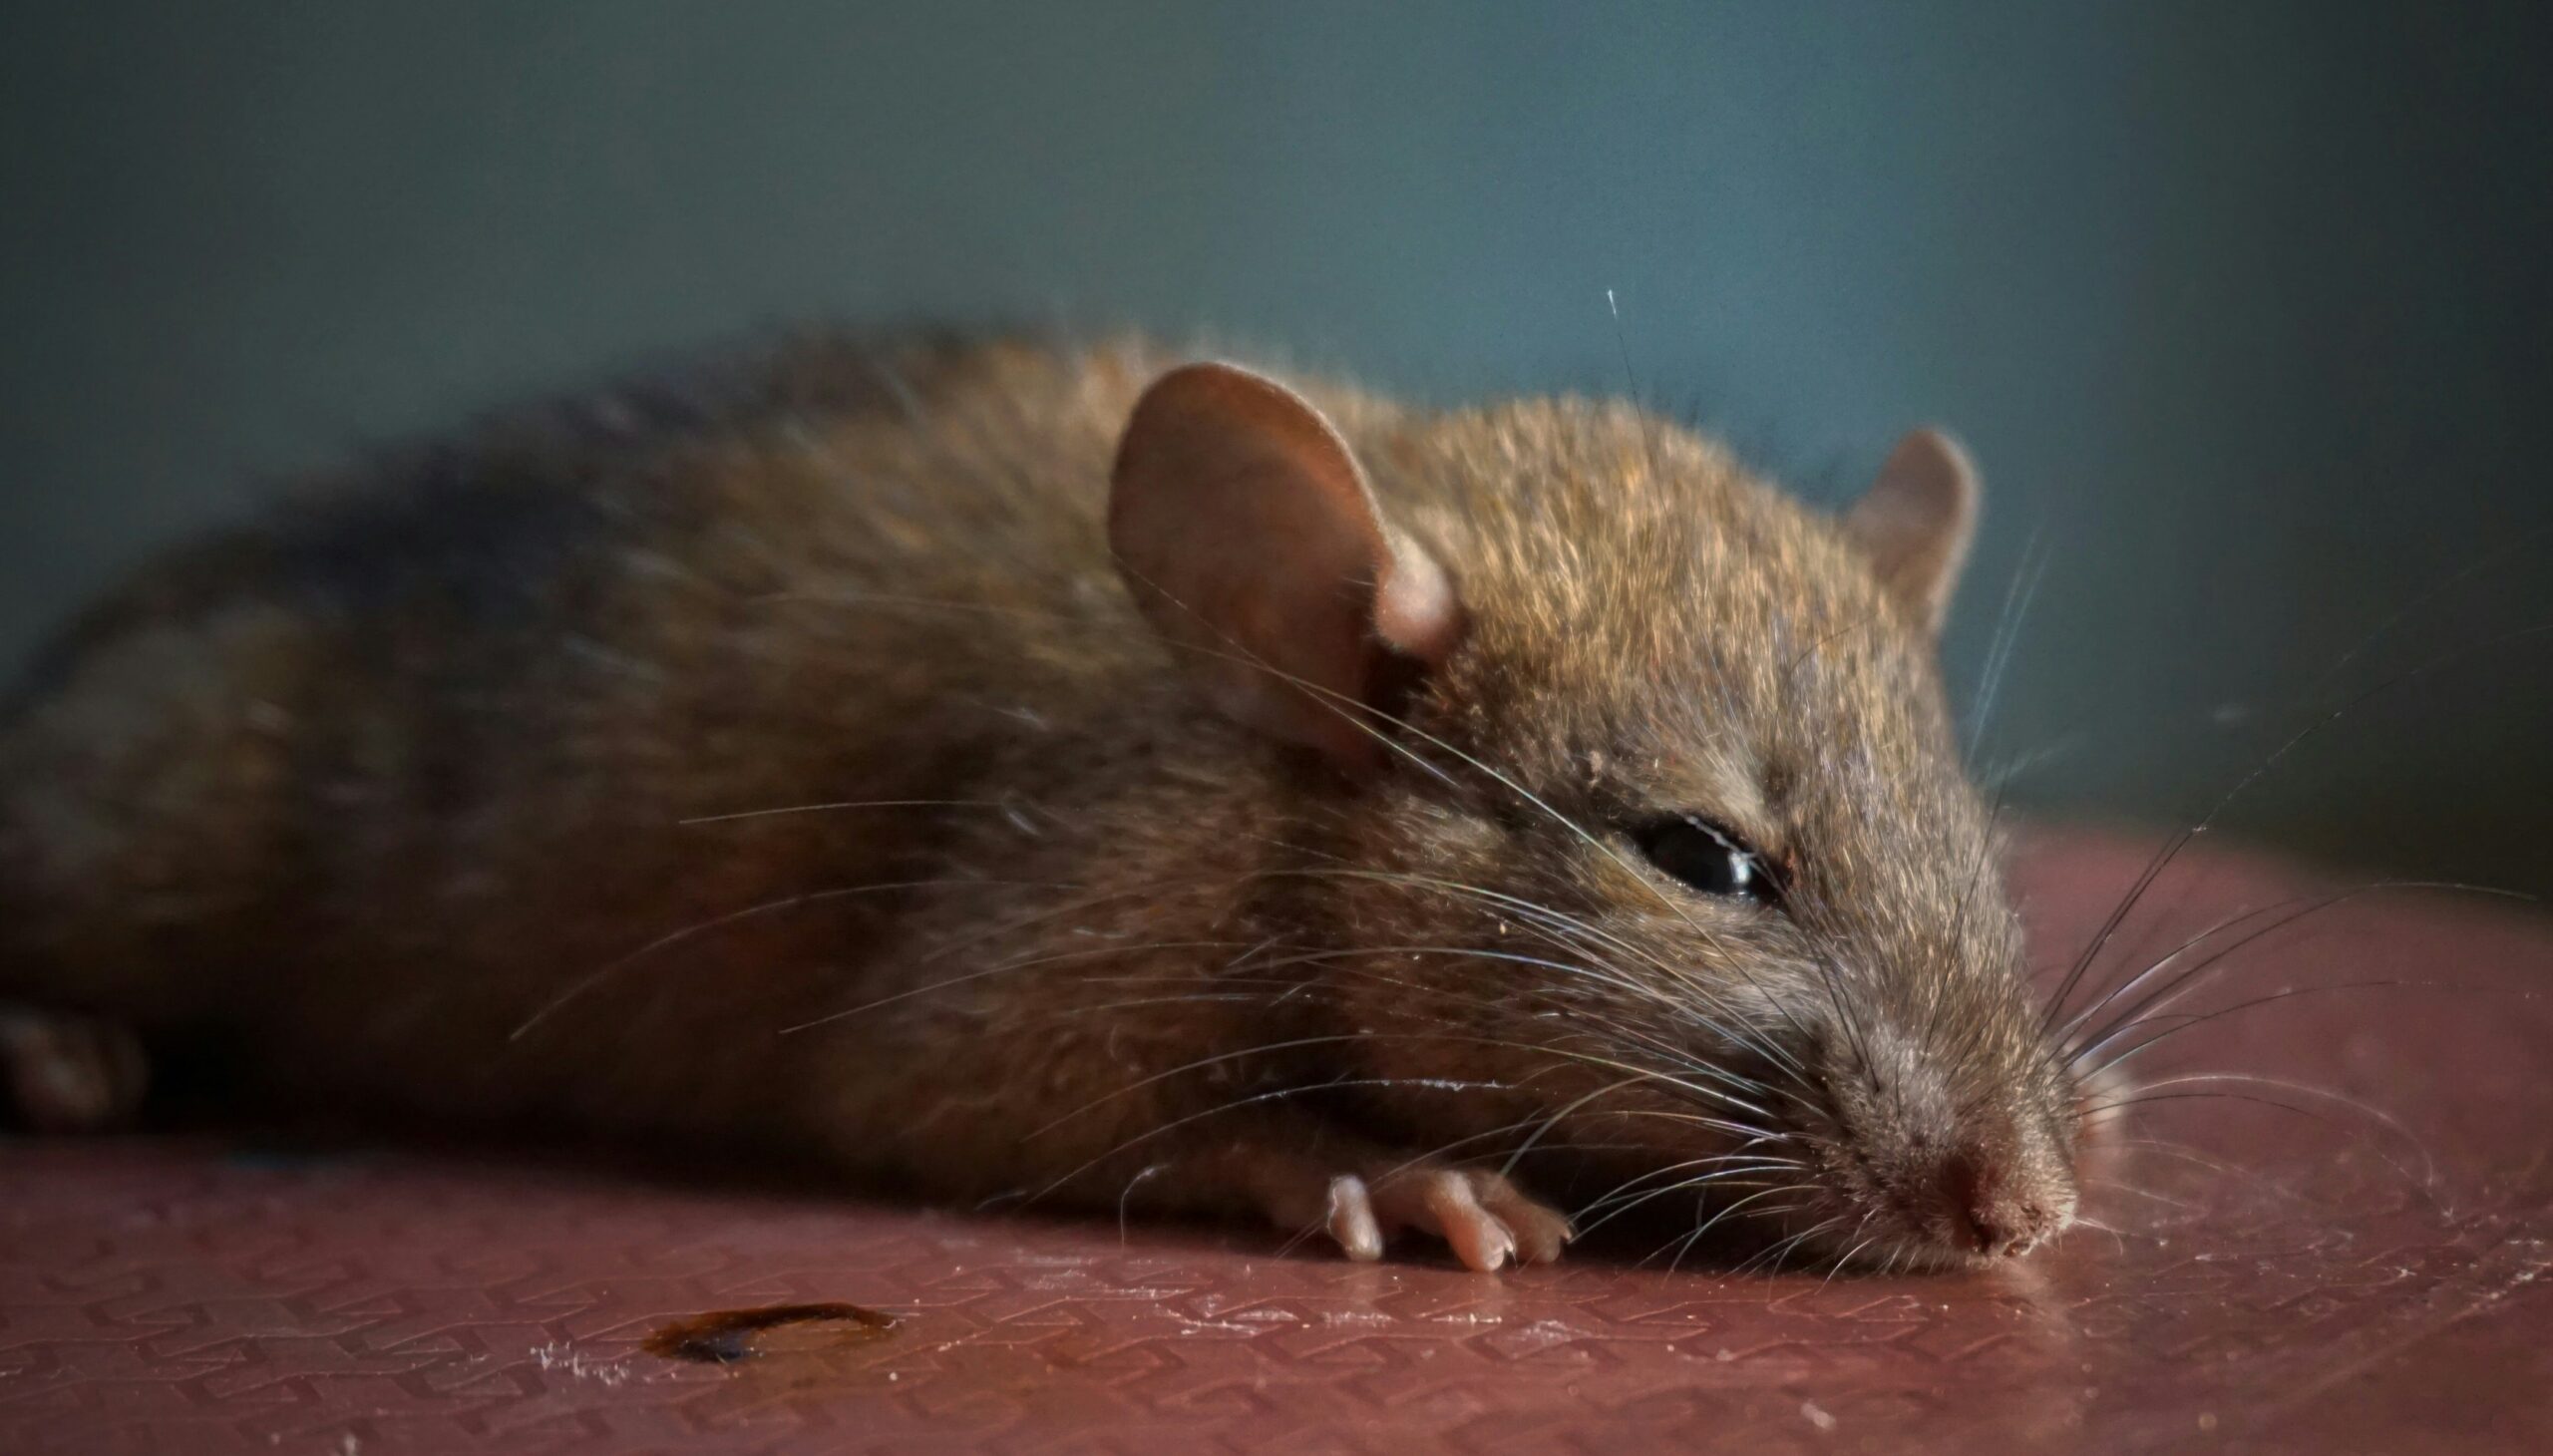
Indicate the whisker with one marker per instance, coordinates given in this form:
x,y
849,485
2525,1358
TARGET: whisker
x,y
1620,1200
2424,1188
2118,1239
1844,1261
2129,985
2164,995
2017,597
1689,1239
768,907
2123,1186
2368,1110
1003,969
2265,766
2189,1020
842,805
1772,1258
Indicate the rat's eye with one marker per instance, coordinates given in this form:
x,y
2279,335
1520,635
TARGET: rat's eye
x,y
1707,857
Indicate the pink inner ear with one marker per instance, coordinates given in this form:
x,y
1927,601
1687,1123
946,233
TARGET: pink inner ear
x,y
1416,610
1251,542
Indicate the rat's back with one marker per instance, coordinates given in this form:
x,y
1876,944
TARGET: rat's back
x,y
426,744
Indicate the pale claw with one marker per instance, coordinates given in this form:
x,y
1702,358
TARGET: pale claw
x,y
1482,1217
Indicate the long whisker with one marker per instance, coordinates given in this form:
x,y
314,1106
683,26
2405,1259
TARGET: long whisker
x,y
2188,1021
2170,991
1625,1196
2128,986
1771,1257
2275,757
1334,1039
2017,597
844,804
2365,1109
1531,911
751,911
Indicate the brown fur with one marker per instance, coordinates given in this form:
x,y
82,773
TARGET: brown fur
x,y
367,788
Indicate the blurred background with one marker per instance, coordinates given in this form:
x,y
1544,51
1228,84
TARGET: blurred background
x,y
2244,307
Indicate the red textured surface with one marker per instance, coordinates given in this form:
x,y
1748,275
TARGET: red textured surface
x,y
2275,1281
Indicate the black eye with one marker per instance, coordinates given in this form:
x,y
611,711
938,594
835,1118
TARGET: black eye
x,y
1707,857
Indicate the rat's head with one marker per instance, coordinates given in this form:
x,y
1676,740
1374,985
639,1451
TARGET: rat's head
x,y
1649,816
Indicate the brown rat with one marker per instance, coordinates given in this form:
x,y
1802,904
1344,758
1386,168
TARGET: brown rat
x,y
1001,769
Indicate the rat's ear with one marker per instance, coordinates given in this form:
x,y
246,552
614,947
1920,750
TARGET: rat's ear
x,y
1246,533
1916,521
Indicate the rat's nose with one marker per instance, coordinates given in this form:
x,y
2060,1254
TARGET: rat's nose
x,y
1996,1213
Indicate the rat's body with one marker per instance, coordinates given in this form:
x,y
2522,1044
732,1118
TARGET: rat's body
x,y
399,798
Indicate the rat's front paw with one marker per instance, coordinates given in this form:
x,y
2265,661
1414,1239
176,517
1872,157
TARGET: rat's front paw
x,y
1481,1215
1485,1218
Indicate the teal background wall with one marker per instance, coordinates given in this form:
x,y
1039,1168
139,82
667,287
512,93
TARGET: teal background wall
x,y
2242,306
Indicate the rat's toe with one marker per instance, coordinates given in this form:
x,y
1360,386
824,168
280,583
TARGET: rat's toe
x,y
1352,1218
1481,1215
1454,1212
1541,1231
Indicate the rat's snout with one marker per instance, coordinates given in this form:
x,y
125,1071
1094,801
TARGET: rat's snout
x,y
1998,1208
1962,1158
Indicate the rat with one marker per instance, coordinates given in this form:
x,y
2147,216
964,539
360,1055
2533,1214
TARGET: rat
x,y
996,767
